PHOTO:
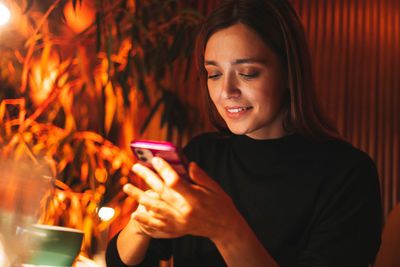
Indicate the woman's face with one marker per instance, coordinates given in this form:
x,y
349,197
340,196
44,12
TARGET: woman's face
x,y
246,82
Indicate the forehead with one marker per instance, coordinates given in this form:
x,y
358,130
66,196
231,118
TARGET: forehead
x,y
237,41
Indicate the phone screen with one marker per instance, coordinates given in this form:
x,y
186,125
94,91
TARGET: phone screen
x,y
146,150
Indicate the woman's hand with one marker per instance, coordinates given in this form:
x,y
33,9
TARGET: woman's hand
x,y
177,207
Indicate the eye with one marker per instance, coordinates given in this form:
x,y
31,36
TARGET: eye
x,y
249,76
248,72
213,76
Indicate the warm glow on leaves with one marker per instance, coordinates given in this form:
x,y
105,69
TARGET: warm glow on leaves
x,y
42,78
80,18
70,205
84,172
101,175
111,104
89,85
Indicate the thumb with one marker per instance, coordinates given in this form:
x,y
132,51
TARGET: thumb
x,y
200,177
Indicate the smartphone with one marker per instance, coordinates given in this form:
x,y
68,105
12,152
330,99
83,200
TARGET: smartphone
x,y
145,150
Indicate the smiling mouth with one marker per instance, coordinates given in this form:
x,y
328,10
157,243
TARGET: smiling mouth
x,y
237,110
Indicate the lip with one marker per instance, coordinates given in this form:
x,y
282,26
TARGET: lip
x,y
239,114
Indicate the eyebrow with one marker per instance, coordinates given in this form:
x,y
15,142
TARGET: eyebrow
x,y
236,61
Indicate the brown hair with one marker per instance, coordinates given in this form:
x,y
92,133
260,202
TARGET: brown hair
x,y
278,25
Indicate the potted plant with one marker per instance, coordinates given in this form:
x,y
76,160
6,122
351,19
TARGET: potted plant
x,y
79,80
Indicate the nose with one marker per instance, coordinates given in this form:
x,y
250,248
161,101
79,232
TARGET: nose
x,y
230,88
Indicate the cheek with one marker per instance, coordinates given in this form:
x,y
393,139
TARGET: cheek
x,y
272,99
271,93
214,97
258,93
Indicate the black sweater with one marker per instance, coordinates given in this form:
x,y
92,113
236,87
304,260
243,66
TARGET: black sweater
x,y
309,203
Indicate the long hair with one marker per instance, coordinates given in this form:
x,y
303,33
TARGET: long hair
x,y
276,22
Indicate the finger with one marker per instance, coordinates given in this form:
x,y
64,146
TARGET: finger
x,y
136,193
171,178
152,193
164,192
165,170
132,191
145,229
149,177
201,178
143,198
150,201
153,232
141,209
151,223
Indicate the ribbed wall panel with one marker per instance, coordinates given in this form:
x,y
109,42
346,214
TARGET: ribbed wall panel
x,y
355,46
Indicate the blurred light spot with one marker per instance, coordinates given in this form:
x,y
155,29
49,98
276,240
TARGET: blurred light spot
x,y
4,14
106,213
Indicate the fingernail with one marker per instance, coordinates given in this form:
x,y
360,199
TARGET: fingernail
x,y
156,161
136,167
127,188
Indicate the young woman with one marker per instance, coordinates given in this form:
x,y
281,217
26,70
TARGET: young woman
x,y
274,187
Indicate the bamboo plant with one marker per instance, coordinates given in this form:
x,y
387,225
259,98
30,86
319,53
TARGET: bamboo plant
x,y
76,95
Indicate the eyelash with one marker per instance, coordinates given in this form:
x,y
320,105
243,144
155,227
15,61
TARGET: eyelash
x,y
213,76
245,76
249,76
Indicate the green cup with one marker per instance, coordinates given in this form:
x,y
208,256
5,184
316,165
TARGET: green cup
x,y
54,245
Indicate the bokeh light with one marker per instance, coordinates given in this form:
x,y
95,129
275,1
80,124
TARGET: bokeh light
x,y
106,213
4,14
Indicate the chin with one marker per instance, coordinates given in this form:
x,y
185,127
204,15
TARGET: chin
x,y
237,130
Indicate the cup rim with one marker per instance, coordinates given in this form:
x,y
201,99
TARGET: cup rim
x,y
57,228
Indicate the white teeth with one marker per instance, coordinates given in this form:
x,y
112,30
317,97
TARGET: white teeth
x,y
235,110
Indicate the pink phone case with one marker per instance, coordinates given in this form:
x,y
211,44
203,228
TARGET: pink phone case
x,y
145,150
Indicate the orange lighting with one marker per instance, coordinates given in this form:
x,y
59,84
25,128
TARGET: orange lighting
x,y
4,14
80,18
42,80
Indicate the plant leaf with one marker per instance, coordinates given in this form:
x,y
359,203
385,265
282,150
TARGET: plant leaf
x,y
193,12
109,50
139,66
160,56
177,44
122,78
151,114
168,107
145,17
45,61
98,31
74,4
110,107
28,6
